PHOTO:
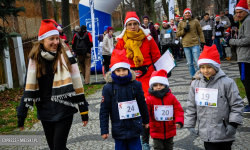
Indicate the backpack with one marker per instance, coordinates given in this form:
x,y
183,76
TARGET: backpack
x,y
81,45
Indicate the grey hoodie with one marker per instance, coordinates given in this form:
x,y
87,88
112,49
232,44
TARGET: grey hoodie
x,y
167,41
212,121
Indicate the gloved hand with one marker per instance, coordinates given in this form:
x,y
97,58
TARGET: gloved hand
x,y
193,132
202,45
187,28
230,130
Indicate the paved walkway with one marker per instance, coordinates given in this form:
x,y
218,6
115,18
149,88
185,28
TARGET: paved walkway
x,y
88,138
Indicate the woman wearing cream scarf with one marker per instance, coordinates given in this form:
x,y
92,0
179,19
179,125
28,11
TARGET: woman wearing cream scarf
x,y
142,52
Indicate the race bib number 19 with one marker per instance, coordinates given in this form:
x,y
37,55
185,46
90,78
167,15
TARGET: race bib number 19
x,y
163,112
128,109
206,97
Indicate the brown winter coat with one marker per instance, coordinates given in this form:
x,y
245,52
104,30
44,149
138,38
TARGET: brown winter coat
x,y
191,38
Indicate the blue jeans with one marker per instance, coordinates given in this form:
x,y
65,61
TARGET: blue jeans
x,y
192,55
128,144
219,46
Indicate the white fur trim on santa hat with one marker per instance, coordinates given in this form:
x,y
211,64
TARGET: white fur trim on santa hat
x,y
164,22
47,34
156,25
120,65
158,79
187,11
149,37
208,61
132,18
242,9
217,17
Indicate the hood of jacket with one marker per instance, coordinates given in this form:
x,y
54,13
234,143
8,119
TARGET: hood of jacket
x,y
108,77
199,76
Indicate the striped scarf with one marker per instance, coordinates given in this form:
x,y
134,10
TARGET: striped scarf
x,y
67,86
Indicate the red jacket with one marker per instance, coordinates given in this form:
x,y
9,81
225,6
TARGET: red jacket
x,y
164,129
149,50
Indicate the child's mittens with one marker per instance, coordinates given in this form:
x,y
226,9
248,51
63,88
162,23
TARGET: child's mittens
x,y
230,130
193,131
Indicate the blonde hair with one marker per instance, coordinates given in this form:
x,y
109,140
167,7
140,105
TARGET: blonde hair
x,y
40,64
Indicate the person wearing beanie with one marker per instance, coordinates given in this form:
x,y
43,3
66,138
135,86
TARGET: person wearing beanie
x,y
214,102
101,36
124,103
54,84
167,37
81,45
149,27
242,44
107,48
74,31
165,112
192,35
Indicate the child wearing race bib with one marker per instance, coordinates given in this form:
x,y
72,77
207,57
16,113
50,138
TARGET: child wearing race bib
x,y
214,103
124,102
165,111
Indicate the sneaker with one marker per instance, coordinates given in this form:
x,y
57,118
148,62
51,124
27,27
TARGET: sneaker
x,y
247,109
145,146
245,101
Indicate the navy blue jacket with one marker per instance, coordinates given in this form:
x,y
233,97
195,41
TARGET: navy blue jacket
x,y
114,93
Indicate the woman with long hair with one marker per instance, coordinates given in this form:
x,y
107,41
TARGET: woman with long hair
x,y
54,84
142,52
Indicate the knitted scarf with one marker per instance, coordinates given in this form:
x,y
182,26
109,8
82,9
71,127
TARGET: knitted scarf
x,y
133,42
121,80
67,86
160,94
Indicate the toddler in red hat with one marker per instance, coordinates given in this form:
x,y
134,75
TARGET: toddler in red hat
x,y
124,102
214,103
165,111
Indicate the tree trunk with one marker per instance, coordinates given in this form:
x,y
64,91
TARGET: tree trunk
x,y
139,8
182,4
165,7
44,9
55,8
149,9
66,18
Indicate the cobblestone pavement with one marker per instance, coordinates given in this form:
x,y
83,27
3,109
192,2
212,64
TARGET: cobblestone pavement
x,y
88,138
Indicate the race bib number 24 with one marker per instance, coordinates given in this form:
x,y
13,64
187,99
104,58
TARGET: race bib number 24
x,y
128,109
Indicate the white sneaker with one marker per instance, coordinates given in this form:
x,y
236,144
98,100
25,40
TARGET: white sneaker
x,y
245,101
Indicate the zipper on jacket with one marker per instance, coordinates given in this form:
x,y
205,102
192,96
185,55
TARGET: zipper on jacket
x,y
224,123
164,122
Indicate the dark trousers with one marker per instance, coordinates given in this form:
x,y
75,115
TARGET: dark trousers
x,y
209,42
145,135
164,144
218,146
128,144
57,133
246,81
177,53
106,62
164,48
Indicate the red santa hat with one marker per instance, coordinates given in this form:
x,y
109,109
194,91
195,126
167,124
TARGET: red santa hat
x,y
157,24
47,29
119,60
228,30
174,29
177,16
217,16
210,55
159,77
165,21
187,10
242,4
181,18
131,16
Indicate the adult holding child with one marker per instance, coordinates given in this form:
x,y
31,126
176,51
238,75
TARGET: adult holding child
x,y
53,82
142,51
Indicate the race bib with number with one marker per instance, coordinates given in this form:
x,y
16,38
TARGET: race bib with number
x,y
206,97
147,31
128,109
163,112
167,35
218,33
207,27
